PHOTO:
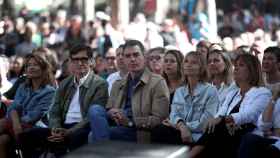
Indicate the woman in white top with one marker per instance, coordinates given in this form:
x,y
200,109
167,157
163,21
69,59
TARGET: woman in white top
x,y
220,73
238,114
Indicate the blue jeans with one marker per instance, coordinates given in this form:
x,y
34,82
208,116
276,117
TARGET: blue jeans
x,y
101,130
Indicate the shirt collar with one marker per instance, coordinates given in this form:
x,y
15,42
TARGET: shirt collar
x,y
82,80
197,90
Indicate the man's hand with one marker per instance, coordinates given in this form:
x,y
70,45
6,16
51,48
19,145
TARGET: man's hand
x,y
114,114
58,134
122,119
118,116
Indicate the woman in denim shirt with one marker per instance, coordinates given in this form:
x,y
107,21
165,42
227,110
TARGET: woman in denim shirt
x,y
31,102
193,104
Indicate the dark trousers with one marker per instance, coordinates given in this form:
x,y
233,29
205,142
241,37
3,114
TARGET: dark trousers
x,y
254,146
220,143
34,141
165,135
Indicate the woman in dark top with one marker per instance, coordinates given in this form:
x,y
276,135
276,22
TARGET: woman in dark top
x,y
172,70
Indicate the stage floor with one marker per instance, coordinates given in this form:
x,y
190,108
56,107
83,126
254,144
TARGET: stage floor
x,y
115,149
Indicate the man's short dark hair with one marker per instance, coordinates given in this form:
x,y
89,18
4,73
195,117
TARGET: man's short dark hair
x,y
81,47
275,51
132,43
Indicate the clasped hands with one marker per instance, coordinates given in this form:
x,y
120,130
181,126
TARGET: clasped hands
x,y
118,116
58,134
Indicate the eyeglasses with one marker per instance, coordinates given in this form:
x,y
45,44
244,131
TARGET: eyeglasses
x,y
82,59
157,58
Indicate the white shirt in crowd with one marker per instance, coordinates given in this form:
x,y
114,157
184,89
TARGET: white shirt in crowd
x,y
251,107
264,126
111,79
74,112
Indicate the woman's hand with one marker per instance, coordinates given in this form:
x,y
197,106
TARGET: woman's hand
x,y
186,134
231,126
211,124
167,123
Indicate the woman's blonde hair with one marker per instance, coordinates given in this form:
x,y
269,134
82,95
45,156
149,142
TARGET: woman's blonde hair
x,y
202,69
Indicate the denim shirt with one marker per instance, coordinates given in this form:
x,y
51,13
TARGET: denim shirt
x,y
32,105
194,110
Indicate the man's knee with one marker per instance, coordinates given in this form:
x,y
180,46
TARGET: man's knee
x,y
96,111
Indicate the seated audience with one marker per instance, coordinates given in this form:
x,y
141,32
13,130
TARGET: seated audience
x,y
122,69
270,67
265,142
220,73
137,103
32,100
193,104
155,59
238,114
68,124
172,70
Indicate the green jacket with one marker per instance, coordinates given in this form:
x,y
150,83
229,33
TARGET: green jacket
x,y
93,91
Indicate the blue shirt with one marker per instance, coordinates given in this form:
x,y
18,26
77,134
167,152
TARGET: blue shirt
x,y
196,109
130,88
32,105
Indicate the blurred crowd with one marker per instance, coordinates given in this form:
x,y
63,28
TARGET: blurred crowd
x,y
66,82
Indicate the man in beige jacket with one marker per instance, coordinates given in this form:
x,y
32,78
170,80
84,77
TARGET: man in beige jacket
x,y
137,103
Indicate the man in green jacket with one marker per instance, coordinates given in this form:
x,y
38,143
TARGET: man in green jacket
x,y
68,123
